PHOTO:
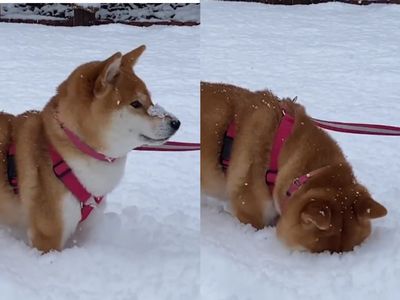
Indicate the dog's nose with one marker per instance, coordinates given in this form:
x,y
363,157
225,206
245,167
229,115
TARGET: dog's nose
x,y
175,124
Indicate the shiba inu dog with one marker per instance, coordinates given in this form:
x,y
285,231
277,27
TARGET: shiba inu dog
x,y
314,192
59,162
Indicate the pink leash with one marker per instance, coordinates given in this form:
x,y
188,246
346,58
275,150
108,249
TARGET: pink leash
x,y
171,146
359,128
168,146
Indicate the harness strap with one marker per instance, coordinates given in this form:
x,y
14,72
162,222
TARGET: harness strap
x,y
297,184
83,147
12,168
72,183
283,132
227,145
64,173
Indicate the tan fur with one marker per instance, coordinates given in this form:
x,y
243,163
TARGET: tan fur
x,y
84,102
328,213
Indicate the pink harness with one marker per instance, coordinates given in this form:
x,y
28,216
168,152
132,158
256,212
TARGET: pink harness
x,y
284,131
282,134
64,173
68,178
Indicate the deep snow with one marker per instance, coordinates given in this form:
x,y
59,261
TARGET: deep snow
x,y
146,246
342,61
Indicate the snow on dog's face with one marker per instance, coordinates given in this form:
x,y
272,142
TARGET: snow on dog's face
x,y
335,218
115,112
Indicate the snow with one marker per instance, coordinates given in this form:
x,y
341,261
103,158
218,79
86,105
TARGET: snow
x,y
342,63
146,245
157,111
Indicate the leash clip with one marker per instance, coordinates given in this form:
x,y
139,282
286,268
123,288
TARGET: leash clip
x,y
297,182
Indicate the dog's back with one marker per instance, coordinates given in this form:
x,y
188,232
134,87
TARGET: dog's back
x,y
256,116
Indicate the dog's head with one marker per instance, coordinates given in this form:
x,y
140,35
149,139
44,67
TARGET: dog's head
x,y
110,107
332,214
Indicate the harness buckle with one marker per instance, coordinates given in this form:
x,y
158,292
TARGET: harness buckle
x,y
226,151
61,169
297,182
12,170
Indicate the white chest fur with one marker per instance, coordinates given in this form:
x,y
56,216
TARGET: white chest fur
x,y
270,213
71,214
277,206
98,177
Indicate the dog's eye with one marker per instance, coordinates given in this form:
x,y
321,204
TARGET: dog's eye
x,y
136,104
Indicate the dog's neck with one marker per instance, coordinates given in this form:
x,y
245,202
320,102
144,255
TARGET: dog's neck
x,y
82,146
99,177
297,161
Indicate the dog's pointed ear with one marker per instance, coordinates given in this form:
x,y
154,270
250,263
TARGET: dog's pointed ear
x,y
110,70
368,208
316,213
130,58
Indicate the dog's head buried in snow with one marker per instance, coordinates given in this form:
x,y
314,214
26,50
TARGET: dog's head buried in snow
x,y
114,108
332,212
329,211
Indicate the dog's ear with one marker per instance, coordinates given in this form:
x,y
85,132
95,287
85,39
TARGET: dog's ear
x,y
110,70
368,208
130,58
316,213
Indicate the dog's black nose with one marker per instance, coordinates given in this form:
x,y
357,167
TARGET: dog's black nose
x,y
175,124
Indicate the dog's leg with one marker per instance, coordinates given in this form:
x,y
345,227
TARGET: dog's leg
x,y
248,192
212,176
251,200
43,242
10,204
213,127
45,229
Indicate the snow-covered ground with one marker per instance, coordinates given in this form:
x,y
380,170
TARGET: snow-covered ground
x,y
146,246
342,61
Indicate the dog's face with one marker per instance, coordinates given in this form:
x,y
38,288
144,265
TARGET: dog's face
x,y
333,219
113,107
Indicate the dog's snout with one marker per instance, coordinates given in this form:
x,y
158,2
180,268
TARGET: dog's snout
x,y
175,124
